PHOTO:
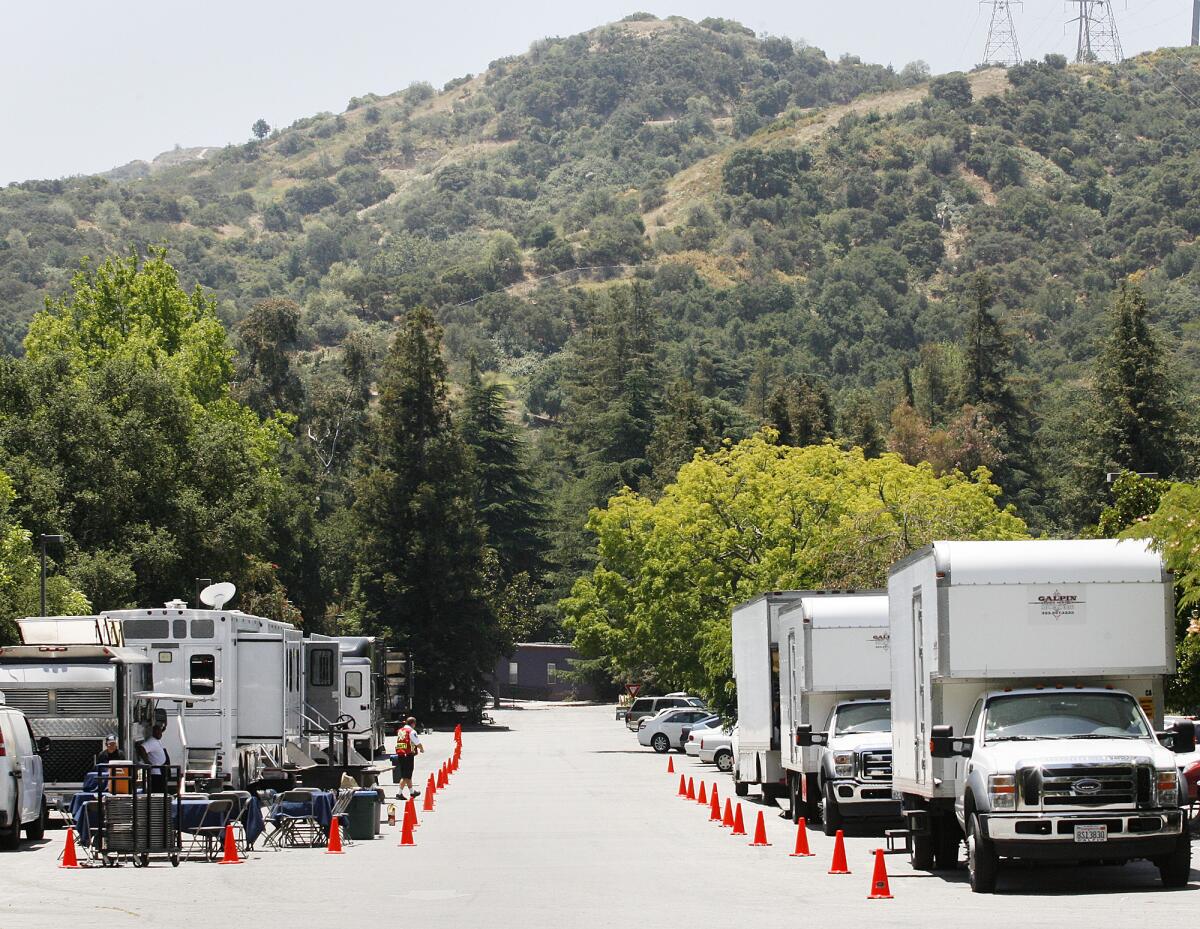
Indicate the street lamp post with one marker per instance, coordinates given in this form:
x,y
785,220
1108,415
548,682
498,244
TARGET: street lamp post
x,y
44,540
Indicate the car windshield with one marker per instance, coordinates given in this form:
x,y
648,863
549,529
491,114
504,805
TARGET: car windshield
x,y
696,702
1063,715
864,717
707,723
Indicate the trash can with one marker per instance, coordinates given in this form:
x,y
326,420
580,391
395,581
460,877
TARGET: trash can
x,y
365,813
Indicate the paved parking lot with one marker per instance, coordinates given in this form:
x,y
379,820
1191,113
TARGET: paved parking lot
x,y
558,818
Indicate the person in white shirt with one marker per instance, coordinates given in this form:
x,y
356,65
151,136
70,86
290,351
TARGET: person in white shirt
x,y
408,746
152,751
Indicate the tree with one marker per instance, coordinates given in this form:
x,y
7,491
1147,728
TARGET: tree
x,y
420,572
860,425
261,129
684,426
269,333
751,517
1138,417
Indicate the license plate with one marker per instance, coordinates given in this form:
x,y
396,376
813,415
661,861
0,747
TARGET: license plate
x,y
1091,833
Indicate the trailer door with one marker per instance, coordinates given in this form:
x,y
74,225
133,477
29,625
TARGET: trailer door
x,y
919,685
261,690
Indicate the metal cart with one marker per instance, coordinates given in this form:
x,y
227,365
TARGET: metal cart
x,y
143,823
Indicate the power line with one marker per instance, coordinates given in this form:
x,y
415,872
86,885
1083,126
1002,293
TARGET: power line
x,y
1002,47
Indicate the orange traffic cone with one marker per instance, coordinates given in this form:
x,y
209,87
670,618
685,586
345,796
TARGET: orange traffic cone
x,y
69,858
702,798
441,778
760,831
682,787
406,833
714,810
335,837
230,855
670,765
739,827
839,865
801,840
879,881
727,819
458,733
691,793
410,812
427,803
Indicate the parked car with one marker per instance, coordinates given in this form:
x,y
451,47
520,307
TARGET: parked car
x,y
698,728
644,707
662,732
716,747
21,800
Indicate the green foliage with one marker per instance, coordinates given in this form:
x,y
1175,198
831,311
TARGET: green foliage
x,y
751,517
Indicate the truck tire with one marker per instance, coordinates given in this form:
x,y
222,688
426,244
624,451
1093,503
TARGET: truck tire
x,y
10,835
946,839
1176,868
920,851
982,861
741,788
831,816
794,796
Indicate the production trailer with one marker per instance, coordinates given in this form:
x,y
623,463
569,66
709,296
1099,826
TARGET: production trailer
x,y
834,680
247,675
755,631
1027,688
364,690
76,685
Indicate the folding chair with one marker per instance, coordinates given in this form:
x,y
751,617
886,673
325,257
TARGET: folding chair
x,y
211,828
340,807
241,800
294,822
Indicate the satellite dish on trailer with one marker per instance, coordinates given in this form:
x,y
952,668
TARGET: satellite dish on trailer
x,y
217,595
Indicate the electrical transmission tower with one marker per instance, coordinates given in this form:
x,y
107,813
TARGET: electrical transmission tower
x,y
1098,39
1002,47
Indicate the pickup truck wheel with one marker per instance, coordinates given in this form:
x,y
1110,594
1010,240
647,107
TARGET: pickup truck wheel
x,y
920,851
36,830
982,861
741,788
660,743
1176,868
831,816
10,835
724,762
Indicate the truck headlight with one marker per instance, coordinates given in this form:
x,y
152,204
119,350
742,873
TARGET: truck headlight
x,y
1167,788
843,764
1002,789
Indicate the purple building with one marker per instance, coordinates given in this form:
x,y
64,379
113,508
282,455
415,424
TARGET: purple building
x,y
534,672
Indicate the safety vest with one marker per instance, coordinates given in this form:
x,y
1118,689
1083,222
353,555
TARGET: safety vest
x,y
403,742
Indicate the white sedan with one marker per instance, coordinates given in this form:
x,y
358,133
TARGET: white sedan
x,y
716,747
692,744
662,732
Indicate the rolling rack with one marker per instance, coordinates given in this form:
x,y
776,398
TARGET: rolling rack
x,y
143,822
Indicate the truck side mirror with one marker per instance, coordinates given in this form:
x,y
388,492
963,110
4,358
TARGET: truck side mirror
x,y
1183,737
943,744
806,738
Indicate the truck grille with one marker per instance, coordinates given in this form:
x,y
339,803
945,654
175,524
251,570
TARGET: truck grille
x,y
1063,785
875,766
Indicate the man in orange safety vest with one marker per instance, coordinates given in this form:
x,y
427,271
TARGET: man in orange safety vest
x,y
408,745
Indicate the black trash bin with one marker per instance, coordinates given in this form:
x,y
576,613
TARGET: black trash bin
x,y
365,813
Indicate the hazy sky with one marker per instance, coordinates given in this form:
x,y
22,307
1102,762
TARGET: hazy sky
x,y
88,86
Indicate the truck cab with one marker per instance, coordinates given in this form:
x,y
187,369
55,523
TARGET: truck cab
x,y
1069,773
855,767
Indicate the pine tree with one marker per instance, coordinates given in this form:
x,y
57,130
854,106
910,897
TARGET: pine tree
x,y
420,574
684,426
1138,425
860,426
506,498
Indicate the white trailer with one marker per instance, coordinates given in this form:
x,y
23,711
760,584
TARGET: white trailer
x,y
1047,659
755,631
247,675
834,679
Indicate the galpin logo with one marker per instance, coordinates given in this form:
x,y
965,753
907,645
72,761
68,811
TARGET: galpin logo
x,y
1058,604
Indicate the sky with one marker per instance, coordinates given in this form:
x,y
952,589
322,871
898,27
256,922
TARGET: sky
x,y
87,86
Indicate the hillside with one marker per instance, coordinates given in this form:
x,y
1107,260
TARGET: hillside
x,y
662,233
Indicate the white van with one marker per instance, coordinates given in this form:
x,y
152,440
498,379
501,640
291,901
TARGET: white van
x,y
20,780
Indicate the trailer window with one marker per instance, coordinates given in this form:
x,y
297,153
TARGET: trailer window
x,y
203,673
551,670
147,629
179,629
320,668
353,683
202,629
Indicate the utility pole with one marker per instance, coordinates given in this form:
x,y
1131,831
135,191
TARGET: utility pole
x,y
1002,47
43,540
1097,32
1196,22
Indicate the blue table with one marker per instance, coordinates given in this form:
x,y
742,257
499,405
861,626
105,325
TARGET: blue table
x,y
320,807
191,815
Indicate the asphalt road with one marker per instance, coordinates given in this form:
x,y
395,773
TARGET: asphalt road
x,y
558,818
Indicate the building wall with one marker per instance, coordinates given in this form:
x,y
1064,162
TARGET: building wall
x,y
533,679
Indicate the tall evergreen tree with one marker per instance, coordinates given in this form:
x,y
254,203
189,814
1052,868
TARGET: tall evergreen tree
x,y
684,426
506,498
420,567
1138,416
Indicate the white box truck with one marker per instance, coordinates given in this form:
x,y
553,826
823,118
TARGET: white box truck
x,y
834,679
1027,686
755,631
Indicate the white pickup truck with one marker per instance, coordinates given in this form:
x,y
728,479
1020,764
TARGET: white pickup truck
x,y
1027,687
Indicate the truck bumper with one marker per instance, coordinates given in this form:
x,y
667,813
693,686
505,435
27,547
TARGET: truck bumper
x,y
856,798
1142,834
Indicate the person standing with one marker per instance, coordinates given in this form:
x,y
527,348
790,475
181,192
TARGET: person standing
x,y
152,751
408,746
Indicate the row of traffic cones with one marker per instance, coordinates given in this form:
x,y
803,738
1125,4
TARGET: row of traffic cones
x,y
432,786
732,819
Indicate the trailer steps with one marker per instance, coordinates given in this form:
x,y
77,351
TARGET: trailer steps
x,y
892,837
